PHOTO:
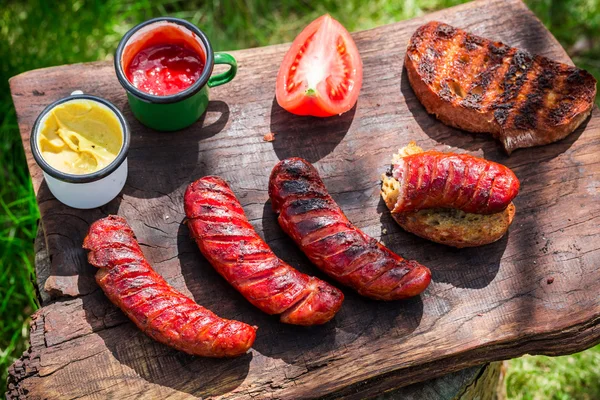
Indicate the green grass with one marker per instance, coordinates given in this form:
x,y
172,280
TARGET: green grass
x,y
18,224
561,378
39,33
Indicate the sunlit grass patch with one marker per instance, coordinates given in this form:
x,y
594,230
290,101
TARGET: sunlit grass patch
x,y
575,376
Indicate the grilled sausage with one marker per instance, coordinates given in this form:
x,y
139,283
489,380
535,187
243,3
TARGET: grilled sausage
x,y
151,303
225,237
309,215
447,180
478,85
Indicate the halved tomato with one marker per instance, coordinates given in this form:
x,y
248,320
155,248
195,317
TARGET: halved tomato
x,y
321,74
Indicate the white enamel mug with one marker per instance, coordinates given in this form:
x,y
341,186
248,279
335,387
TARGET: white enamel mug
x,y
87,190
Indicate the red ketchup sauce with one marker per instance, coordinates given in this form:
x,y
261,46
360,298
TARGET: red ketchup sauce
x,y
164,68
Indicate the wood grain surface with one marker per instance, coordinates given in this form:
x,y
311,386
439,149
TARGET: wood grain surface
x,y
484,304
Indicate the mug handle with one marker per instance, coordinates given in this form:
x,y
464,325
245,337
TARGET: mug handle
x,y
227,76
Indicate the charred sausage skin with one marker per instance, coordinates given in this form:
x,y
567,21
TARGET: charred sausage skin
x,y
446,180
225,237
309,215
159,310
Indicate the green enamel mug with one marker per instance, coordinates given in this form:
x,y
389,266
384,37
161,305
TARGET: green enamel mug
x,y
174,111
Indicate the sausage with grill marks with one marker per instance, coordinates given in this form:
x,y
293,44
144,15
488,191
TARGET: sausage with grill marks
x,y
451,199
159,310
309,215
447,180
225,237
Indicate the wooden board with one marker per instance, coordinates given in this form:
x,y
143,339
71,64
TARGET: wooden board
x,y
488,303
481,382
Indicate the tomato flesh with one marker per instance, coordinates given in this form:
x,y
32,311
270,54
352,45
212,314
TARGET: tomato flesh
x,y
321,74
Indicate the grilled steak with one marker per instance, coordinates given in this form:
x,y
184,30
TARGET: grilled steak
x,y
479,85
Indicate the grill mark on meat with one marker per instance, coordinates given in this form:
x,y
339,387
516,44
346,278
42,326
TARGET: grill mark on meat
x,y
170,314
520,125
482,176
444,66
432,63
303,206
565,102
315,224
386,268
474,59
128,273
249,265
366,258
472,42
560,112
501,59
343,235
445,31
141,294
553,96
300,187
350,251
516,76
511,84
501,113
269,270
576,77
427,62
526,117
381,266
491,59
